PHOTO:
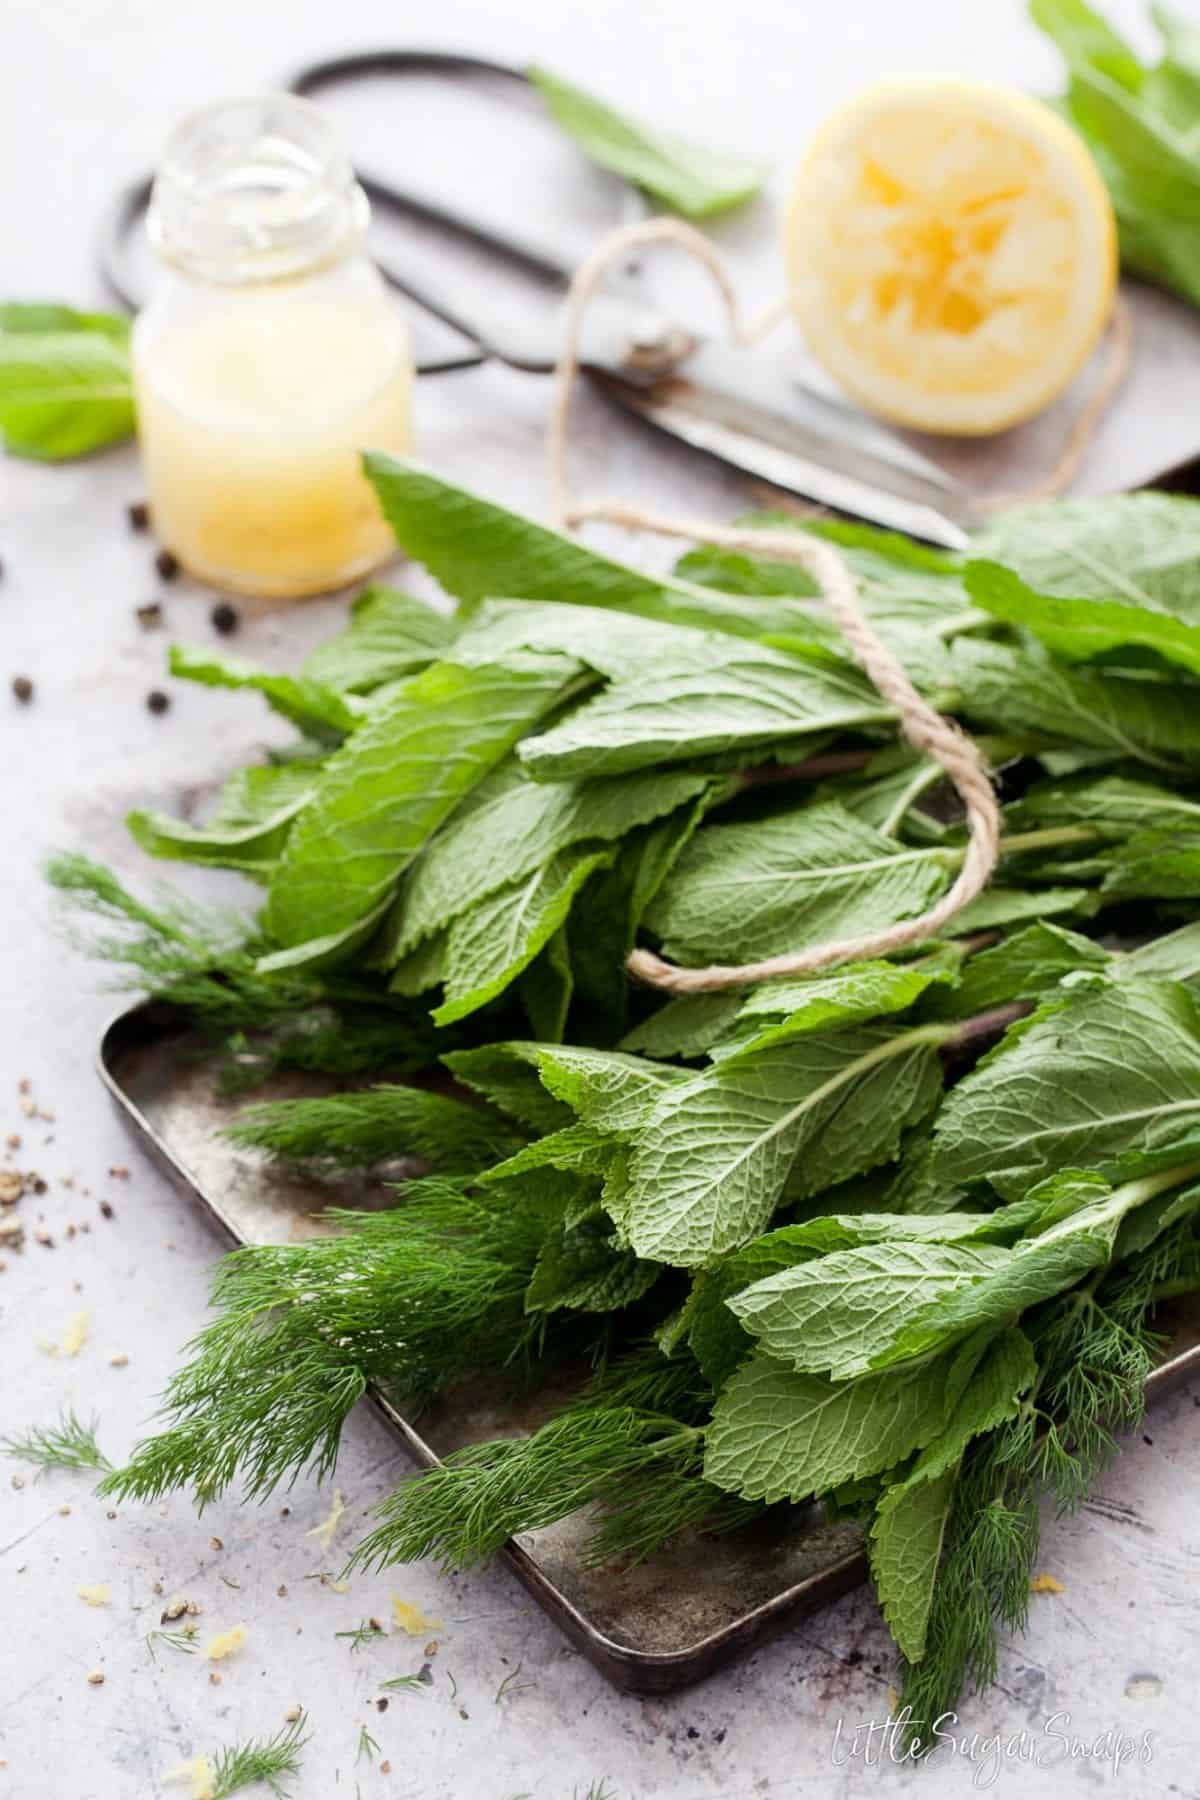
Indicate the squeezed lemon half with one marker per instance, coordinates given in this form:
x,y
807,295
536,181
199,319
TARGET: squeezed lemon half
x,y
951,253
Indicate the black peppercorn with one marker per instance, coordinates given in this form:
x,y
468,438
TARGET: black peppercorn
x,y
150,616
22,689
157,701
167,564
225,618
138,514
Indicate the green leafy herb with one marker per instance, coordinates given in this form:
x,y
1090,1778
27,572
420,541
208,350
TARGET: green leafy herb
x,y
274,1761
688,177
65,385
70,1444
1139,122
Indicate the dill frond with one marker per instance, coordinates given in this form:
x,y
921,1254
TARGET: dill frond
x,y
512,1684
362,1634
68,1445
1095,1346
367,1745
407,1298
183,1641
273,1761
374,1124
404,1684
468,1507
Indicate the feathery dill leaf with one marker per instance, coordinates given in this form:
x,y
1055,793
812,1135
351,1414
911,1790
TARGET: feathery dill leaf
x,y
407,1298
1095,1347
274,1761
376,1123
68,1445
479,1497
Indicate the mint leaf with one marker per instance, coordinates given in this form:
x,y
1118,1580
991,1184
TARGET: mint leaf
x,y
905,1547
1021,691
478,550
858,991
777,1435
1108,800
688,177
502,1074
65,386
1036,1270
745,701
745,891
1023,967
1175,957
1000,905
394,781
688,1026
249,825
1155,865
580,1270
320,711
547,987
1082,628
716,1150
1106,1080
495,939
389,635
510,826
833,1314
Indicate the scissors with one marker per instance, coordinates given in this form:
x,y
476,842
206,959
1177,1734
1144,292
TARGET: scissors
x,y
746,406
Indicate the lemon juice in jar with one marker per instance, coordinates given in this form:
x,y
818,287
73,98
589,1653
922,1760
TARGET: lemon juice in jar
x,y
270,356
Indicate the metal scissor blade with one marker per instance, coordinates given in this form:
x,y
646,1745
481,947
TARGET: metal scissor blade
x,y
752,411
797,474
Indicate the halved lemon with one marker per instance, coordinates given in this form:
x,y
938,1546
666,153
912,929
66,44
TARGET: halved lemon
x,y
952,253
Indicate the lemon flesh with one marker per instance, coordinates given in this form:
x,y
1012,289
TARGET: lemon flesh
x,y
951,253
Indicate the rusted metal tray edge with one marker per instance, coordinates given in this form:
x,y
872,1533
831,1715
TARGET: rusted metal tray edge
x,y
636,1671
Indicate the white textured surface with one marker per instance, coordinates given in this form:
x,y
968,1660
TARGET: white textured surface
x,y
87,90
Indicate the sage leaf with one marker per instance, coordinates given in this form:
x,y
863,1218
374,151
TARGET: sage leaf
x,y
688,177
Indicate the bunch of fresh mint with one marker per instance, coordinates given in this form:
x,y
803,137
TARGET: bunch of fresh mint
x,y
809,1242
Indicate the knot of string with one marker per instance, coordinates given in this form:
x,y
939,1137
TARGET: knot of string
x,y
925,729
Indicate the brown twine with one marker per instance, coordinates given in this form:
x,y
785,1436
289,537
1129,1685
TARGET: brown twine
x,y
921,725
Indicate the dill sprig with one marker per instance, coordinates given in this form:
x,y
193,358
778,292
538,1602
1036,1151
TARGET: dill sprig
x,y
362,1634
273,1761
1095,1346
376,1123
407,1298
68,1445
404,1684
183,1641
367,1745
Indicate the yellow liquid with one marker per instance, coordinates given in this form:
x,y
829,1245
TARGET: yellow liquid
x,y
252,416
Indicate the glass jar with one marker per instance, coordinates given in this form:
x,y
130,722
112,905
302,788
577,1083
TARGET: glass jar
x,y
269,357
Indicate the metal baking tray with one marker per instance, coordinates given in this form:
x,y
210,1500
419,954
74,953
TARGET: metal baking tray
x,y
652,1627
